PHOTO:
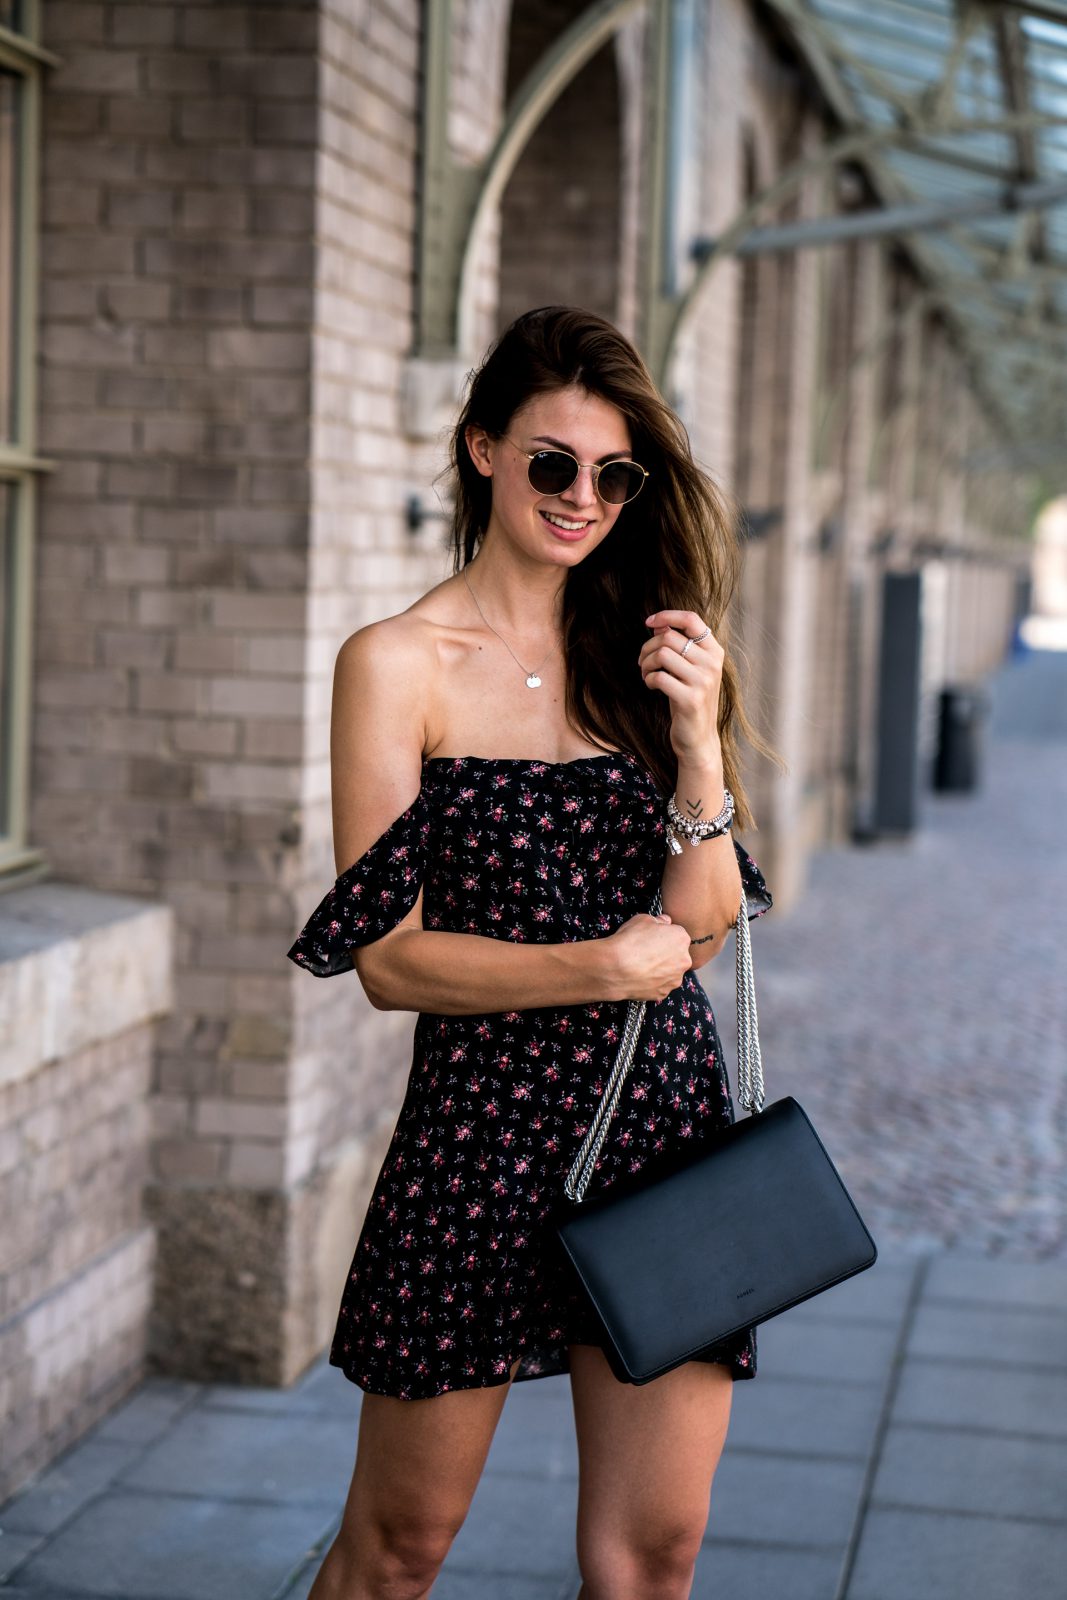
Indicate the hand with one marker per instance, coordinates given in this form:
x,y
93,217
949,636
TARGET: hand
x,y
691,684
648,957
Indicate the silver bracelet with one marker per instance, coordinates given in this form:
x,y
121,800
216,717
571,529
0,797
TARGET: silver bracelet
x,y
696,831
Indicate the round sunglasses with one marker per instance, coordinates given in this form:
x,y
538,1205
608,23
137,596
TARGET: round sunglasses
x,y
553,472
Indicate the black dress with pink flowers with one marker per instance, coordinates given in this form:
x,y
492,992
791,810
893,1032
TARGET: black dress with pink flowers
x,y
455,1274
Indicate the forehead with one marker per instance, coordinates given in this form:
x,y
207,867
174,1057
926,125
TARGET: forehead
x,y
593,427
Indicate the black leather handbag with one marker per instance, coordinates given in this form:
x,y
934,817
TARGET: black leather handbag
x,y
691,1252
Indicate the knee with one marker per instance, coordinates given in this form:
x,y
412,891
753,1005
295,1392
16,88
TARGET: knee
x,y
399,1557
644,1564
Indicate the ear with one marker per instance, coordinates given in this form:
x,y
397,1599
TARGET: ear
x,y
480,447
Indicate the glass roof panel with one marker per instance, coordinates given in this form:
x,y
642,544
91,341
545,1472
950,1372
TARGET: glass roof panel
x,y
891,61
1044,32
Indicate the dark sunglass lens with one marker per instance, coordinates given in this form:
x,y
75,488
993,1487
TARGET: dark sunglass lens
x,y
620,481
552,471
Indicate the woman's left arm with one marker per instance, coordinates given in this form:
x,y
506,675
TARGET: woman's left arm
x,y
702,886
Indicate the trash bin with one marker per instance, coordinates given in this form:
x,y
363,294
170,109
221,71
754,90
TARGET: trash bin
x,y
961,713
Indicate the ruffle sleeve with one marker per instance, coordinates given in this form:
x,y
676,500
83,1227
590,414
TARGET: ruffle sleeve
x,y
757,895
369,898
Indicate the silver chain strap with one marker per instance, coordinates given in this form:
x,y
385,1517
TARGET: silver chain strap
x,y
749,1062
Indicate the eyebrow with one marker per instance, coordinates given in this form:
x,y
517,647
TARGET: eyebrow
x,y
602,461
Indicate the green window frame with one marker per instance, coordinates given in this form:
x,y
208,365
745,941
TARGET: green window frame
x,y
22,61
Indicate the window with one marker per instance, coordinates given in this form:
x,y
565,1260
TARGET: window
x,y
10,105
20,85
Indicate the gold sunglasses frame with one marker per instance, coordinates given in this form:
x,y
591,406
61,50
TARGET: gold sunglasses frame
x,y
595,468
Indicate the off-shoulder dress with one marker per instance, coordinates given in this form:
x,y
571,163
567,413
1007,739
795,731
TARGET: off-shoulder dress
x,y
454,1275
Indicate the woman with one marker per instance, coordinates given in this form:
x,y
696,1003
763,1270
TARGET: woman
x,y
502,755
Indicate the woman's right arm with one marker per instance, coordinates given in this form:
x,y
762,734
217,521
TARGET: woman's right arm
x,y
378,732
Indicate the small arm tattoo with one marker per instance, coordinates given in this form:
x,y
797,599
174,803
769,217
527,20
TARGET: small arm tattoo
x,y
705,939
695,808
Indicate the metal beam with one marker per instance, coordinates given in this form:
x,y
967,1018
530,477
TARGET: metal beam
x,y
857,144
437,241
17,44
1044,10
1031,240
872,224
937,101
658,292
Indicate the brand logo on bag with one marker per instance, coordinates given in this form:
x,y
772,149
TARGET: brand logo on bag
x,y
743,1292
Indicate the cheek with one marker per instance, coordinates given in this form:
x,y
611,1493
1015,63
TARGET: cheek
x,y
509,495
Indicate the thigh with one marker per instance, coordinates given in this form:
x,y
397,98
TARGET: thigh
x,y
418,1462
647,1454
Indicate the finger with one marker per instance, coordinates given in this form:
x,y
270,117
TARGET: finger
x,y
696,647
672,687
677,666
672,638
686,621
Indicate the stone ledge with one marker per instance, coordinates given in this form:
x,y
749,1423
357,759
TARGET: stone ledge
x,y
77,966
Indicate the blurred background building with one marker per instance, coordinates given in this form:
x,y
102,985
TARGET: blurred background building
x,y
248,253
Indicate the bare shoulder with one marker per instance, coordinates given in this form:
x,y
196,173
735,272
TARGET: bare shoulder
x,y
395,641
392,666
392,659
380,726
409,637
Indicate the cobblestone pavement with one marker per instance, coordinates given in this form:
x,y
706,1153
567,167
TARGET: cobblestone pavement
x,y
914,1000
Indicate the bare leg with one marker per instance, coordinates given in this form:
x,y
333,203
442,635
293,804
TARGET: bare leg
x,y
647,1457
418,1463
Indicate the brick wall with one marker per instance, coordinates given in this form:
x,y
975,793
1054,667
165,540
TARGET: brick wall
x,y
177,296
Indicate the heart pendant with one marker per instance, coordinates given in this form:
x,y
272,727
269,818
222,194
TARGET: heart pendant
x,y
533,681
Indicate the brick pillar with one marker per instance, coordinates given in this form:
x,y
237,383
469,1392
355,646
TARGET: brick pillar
x,y
792,828
864,591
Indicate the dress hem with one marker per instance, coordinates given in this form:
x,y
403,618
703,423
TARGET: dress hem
x,y
495,1381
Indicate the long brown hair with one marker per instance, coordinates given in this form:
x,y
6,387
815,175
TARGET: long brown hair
x,y
674,546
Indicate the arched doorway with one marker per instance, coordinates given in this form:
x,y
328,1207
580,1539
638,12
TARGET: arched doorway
x,y
560,217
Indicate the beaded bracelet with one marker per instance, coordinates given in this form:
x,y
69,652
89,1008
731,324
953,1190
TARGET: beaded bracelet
x,y
696,831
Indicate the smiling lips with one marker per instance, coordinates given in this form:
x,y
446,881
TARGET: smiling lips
x,y
564,524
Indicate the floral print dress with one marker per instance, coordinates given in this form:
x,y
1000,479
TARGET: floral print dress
x,y
456,1274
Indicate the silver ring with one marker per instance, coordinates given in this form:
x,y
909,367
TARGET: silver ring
x,y
695,639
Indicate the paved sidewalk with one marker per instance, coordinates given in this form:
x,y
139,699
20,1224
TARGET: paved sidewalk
x,y
914,1000
906,1436
905,1439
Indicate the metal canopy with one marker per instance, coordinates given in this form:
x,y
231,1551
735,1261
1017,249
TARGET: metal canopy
x,y
966,107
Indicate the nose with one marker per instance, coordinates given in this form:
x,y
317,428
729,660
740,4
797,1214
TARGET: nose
x,y
581,492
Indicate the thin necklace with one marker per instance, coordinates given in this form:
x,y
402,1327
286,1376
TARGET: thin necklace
x,y
532,680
